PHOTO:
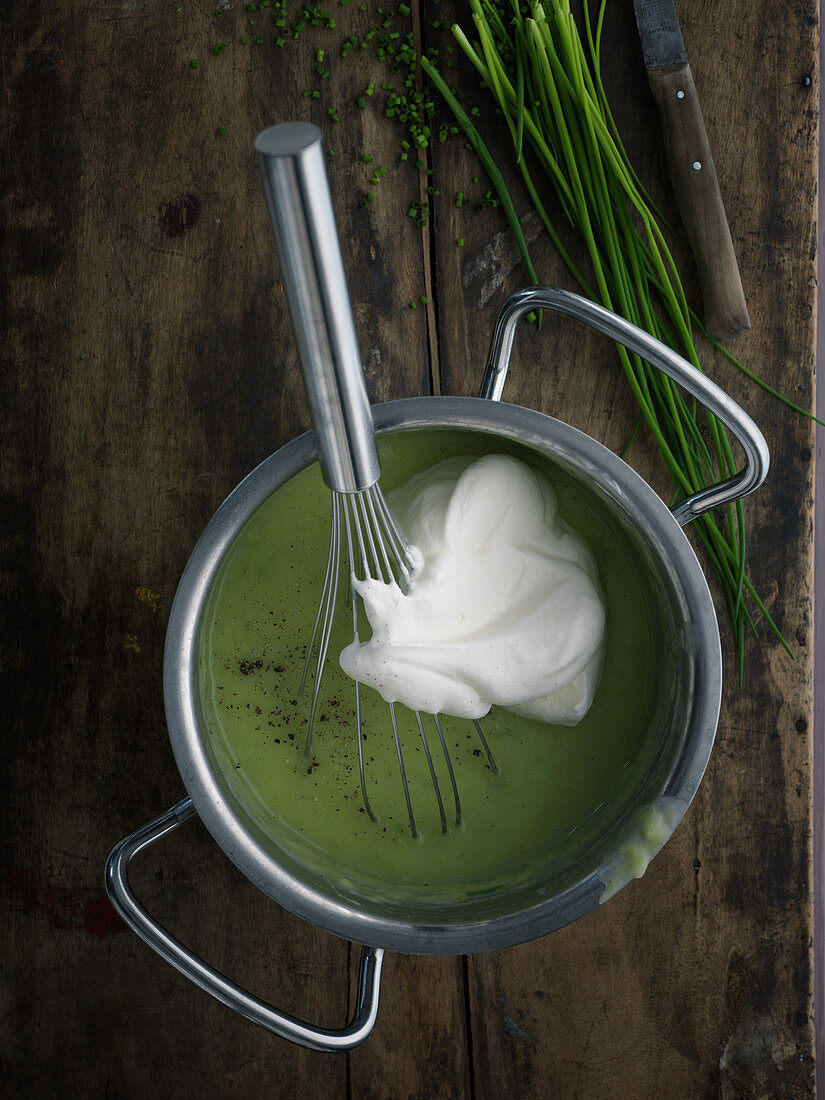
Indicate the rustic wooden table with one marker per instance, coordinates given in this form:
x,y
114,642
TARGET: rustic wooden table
x,y
148,365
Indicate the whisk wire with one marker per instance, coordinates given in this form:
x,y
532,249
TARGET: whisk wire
x,y
403,771
373,565
436,787
356,639
487,749
324,619
449,769
332,563
389,574
399,546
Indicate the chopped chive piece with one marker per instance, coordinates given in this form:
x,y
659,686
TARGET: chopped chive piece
x,y
222,131
367,159
218,50
460,242
423,299
194,63
459,198
403,10
361,102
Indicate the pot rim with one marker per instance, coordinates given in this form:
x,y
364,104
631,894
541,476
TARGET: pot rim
x,y
613,479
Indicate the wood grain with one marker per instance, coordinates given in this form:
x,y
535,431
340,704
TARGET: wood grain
x,y
148,364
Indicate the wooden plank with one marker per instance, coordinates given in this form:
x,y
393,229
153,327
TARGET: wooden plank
x,y
149,365
696,980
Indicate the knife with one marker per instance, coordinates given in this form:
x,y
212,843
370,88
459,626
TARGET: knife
x,y
692,171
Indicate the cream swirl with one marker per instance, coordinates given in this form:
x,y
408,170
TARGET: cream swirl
x,y
503,606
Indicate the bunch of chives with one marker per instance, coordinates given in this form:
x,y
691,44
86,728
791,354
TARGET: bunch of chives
x,y
549,91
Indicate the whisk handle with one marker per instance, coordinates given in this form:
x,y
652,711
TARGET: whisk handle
x,y
293,167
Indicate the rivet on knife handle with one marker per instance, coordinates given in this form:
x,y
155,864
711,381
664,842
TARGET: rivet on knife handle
x,y
692,171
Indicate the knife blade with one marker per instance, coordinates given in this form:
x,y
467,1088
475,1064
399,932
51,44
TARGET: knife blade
x,y
691,167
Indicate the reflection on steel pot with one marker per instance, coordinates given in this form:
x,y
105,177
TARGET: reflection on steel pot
x,y
685,712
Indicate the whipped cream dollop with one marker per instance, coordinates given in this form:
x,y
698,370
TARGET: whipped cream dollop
x,y
503,605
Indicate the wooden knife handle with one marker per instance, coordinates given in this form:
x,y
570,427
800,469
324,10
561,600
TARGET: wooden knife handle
x,y
693,175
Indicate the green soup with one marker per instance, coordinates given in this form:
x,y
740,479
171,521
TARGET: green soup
x,y
560,790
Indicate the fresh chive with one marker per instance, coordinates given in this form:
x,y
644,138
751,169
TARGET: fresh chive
x,y
547,88
484,156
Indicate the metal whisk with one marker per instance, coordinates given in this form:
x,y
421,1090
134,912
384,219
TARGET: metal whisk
x,y
293,167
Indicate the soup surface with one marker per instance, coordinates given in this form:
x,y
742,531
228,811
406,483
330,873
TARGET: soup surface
x,y
561,792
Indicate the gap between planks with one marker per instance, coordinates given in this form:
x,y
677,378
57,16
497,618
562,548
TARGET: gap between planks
x,y
427,242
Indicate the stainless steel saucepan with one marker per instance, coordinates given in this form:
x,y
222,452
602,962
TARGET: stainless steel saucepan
x,y
689,711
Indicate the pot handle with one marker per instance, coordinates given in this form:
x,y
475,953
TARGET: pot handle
x,y
170,949
750,438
